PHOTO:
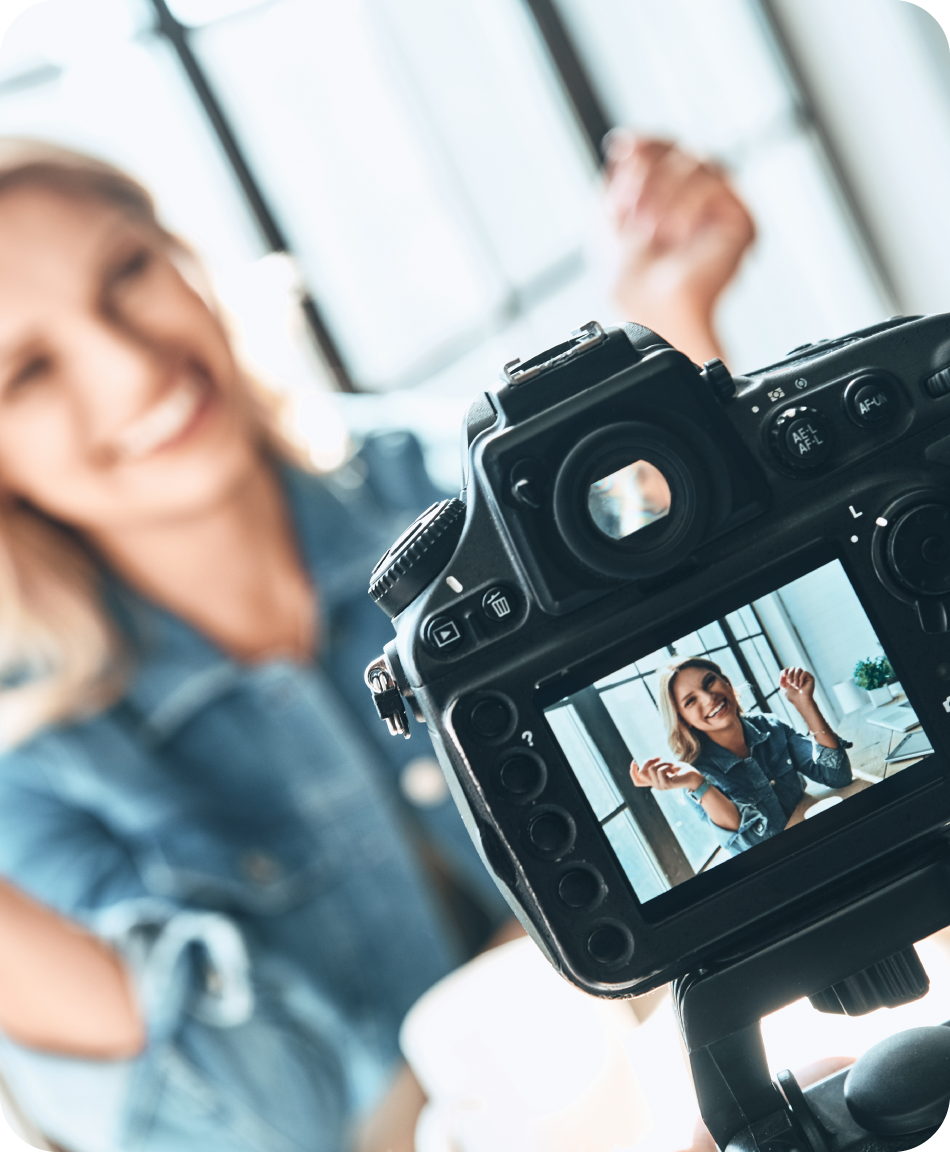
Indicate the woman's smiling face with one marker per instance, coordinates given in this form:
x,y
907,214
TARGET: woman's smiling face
x,y
705,700
121,404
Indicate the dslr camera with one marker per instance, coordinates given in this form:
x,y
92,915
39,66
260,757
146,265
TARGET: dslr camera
x,y
643,551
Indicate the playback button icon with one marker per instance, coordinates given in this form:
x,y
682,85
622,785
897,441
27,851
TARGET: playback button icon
x,y
444,634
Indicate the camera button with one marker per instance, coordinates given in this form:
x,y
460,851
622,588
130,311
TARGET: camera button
x,y
492,718
551,832
498,605
802,437
581,888
522,775
444,634
610,944
870,401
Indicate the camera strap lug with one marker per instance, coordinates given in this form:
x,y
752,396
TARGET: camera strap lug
x,y
381,682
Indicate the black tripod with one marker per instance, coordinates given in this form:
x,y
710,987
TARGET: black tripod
x,y
852,962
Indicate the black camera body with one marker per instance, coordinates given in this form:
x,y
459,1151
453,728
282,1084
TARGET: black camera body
x,y
539,587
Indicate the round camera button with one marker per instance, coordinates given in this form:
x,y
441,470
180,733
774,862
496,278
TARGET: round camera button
x,y
580,888
551,832
871,401
610,944
491,717
802,437
522,775
935,549
498,605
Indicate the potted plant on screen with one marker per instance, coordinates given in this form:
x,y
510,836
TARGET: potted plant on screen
x,y
875,675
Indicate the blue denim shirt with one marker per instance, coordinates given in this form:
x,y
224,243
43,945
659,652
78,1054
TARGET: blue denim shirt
x,y
767,786
238,833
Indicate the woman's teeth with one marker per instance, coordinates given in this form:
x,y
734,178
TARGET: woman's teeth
x,y
716,711
161,424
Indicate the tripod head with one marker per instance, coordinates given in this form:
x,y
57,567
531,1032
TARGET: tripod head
x,y
895,1096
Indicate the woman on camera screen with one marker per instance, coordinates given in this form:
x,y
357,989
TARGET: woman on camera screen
x,y
744,773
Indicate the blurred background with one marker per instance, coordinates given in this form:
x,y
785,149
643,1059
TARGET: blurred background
x,y
424,176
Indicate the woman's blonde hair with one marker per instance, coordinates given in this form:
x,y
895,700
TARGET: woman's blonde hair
x,y
61,656
681,737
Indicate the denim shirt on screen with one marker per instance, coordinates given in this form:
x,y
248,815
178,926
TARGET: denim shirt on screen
x,y
237,831
767,786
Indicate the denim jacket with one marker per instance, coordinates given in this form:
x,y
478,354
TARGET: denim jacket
x,y
237,832
767,786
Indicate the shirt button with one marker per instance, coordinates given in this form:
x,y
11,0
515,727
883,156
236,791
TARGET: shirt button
x,y
260,868
772,782
788,761
422,783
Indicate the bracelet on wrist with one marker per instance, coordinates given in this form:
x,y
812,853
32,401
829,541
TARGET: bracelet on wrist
x,y
697,794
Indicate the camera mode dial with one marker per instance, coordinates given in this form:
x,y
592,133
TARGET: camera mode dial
x,y
801,437
417,557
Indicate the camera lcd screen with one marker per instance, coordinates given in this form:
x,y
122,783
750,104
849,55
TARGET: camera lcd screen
x,y
721,739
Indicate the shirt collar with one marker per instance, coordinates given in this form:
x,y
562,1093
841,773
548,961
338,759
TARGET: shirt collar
x,y
179,671
721,757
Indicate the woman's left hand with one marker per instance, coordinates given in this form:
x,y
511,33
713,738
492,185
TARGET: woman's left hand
x,y
798,684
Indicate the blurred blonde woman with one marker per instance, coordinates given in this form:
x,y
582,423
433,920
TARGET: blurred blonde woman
x,y
744,773
216,906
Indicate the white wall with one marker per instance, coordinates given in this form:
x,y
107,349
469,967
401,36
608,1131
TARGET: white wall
x,y
879,87
830,623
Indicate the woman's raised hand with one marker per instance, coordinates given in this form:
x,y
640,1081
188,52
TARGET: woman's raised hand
x,y
798,684
682,232
665,774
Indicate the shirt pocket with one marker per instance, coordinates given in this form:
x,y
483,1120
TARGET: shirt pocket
x,y
264,869
779,763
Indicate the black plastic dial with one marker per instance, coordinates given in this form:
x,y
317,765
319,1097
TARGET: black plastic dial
x,y
417,557
918,549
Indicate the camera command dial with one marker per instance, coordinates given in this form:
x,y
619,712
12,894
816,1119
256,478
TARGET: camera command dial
x,y
417,557
918,549
801,437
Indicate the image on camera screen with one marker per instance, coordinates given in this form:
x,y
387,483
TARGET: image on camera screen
x,y
721,739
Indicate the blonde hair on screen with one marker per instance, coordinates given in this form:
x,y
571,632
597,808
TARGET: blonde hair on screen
x,y
682,738
61,656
